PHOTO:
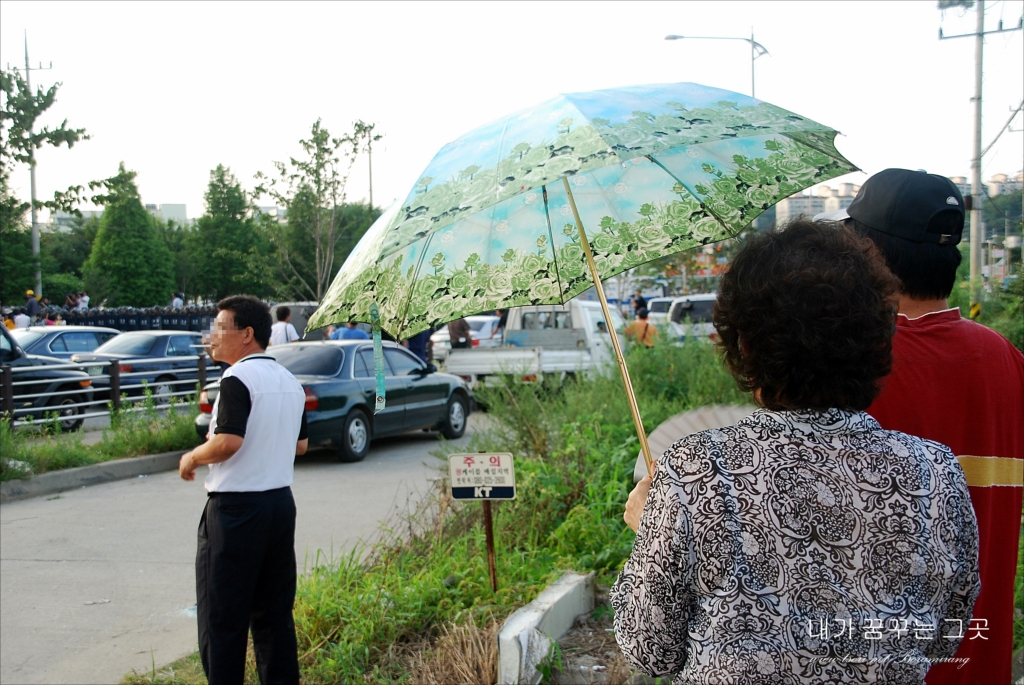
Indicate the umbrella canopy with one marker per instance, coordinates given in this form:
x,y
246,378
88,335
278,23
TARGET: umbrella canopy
x,y
653,170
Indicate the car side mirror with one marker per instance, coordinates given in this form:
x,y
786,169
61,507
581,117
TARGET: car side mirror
x,y
430,369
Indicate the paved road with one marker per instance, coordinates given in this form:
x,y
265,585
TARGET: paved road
x,y
102,580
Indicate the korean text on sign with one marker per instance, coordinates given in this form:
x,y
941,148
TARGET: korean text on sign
x,y
482,476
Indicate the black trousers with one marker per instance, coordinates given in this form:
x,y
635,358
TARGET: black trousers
x,y
245,578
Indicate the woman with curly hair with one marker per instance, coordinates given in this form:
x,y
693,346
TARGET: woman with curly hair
x,y
803,544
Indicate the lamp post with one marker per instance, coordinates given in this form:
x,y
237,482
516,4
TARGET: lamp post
x,y
756,49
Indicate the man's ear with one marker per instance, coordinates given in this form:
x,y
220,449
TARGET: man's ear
x,y
248,335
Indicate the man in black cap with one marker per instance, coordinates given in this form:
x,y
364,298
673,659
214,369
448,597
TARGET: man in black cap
x,y
955,382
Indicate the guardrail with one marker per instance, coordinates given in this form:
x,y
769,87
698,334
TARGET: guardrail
x,y
118,385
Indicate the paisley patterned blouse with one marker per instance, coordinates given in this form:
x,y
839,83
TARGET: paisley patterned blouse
x,y
801,547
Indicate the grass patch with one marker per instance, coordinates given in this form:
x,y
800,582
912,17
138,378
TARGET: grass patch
x,y
24,453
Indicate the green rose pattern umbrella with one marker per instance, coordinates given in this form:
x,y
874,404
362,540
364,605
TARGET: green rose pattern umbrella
x,y
650,170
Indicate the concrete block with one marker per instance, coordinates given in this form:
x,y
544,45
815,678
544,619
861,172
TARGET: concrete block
x,y
527,634
69,479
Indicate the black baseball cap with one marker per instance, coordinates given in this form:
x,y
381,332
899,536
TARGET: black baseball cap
x,y
913,205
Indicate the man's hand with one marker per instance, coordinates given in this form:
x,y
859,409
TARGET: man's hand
x,y
636,501
186,468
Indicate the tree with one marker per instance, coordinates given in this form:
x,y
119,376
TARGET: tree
x,y
129,264
313,190
226,238
19,110
65,252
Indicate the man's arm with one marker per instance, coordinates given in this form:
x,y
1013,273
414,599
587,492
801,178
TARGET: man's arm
x,y
233,407
220,448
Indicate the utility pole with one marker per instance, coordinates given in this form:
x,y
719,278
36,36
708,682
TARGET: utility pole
x,y
32,180
975,206
369,157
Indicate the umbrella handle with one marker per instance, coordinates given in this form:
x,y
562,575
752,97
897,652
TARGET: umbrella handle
x,y
640,432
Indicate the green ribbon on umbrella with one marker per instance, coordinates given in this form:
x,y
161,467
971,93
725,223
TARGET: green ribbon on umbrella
x,y
378,359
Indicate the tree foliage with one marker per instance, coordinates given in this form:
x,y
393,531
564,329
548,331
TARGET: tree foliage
x,y
129,264
226,239
312,188
19,139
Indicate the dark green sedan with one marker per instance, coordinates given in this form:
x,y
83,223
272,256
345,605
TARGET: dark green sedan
x,y
338,378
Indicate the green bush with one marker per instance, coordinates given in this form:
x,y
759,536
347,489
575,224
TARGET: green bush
x,y
24,452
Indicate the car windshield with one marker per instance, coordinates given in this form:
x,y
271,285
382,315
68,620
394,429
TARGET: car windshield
x,y
477,324
660,306
128,343
308,360
26,337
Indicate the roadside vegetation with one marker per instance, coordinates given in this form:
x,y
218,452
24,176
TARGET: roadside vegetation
x,y
25,452
417,606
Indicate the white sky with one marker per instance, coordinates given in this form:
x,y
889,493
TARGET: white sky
x,y
173,89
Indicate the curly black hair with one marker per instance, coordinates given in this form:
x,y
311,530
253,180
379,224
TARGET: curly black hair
x,y
249,312
806,317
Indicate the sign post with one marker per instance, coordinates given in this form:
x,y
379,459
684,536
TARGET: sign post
x,y
484,476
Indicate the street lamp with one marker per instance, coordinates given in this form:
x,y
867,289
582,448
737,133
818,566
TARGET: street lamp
x,y
756,49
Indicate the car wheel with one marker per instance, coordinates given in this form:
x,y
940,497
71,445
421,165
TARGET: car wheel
x,y
355,437
454,424
64,406
162,389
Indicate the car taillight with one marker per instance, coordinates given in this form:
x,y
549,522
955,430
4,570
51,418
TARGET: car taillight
x,y
312,401
713,337
204,403
476,342
125,368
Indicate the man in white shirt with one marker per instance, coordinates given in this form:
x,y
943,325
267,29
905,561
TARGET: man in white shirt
x,y
283,331
245,563
176,301
83,301
21,319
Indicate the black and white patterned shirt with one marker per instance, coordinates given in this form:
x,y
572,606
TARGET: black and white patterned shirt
x,y
799,547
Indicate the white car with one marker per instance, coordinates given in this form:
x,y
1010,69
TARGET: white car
x,y
657,309
480,329
695,310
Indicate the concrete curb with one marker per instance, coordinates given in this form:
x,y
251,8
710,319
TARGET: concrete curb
x,y
93,474
527,634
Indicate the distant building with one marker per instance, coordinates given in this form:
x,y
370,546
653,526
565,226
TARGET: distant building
x,y
279,213
1001,184
175,213
826,199
962,184
63,222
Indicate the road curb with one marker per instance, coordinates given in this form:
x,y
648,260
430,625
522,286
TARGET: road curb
x,y
527,634
93,474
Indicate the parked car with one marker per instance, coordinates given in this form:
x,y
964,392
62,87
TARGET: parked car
x,y
657,309
691,316
480,329
52,390
338,378
61,342
148,356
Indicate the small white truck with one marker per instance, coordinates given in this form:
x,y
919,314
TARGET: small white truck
x,y
544,341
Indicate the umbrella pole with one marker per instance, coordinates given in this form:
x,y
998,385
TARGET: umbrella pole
x,y
613,334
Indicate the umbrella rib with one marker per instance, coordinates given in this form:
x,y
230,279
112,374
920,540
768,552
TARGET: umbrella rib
x,y
412,284
554,252
680,182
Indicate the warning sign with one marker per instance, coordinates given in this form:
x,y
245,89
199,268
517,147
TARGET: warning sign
x,y
482,476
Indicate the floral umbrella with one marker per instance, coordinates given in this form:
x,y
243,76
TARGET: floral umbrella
x,y
506,215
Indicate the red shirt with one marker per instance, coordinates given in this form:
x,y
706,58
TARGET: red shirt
x,y
961,384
